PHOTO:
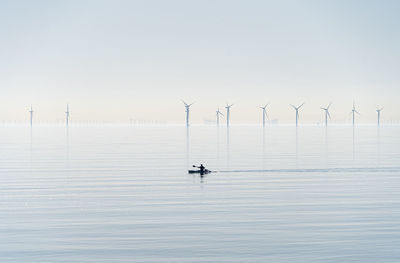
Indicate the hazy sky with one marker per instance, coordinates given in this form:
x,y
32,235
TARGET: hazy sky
x,y
116,60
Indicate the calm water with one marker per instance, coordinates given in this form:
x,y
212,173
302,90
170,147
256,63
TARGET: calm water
x,y
122,194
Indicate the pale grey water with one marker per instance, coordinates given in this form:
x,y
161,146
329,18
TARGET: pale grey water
x,y
122,194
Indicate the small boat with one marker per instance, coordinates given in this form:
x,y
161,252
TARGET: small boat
x,y
199,172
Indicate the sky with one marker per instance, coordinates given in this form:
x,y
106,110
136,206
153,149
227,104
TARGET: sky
x,y
117,60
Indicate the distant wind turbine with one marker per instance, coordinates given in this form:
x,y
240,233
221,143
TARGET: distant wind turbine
x,y
264,114
297,112
187,106
327,114
228,108
353,111
67,116
379,115
218,114
31,115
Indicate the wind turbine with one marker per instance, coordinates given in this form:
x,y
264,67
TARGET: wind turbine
x,y
228,107
67,116
297,111
31,113
264,113
379,115
187,106
327,114
353,111
218,114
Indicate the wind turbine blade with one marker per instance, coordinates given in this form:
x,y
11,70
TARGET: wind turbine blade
x,y
329,105
329,115
292,106
301,105
357,112
184,103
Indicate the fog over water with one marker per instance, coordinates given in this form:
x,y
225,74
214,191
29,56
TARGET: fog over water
x,y
119,193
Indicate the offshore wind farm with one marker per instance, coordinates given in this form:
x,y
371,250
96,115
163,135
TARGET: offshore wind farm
x,y
219,114
204,113
199,131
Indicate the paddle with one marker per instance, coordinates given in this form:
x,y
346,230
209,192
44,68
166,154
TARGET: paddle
x,y
205,170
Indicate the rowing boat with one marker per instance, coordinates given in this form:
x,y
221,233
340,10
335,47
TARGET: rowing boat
x,y
199,172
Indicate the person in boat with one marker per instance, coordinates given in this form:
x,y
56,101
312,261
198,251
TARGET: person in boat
x,y
202,169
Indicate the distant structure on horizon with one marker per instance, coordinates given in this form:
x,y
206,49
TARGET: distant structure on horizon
x,y
67,116
353,112
218,113
187,107
297,111
228,108
327,114
31,115
379,115
264,114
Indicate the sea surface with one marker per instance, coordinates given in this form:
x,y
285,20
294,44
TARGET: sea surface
x,y
120,193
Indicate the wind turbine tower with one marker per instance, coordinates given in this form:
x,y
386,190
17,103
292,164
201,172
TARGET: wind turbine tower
x,y
297,112
379,115
31,115
187,106
218,114
327,114
264,113
67,116
353,111
228,108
